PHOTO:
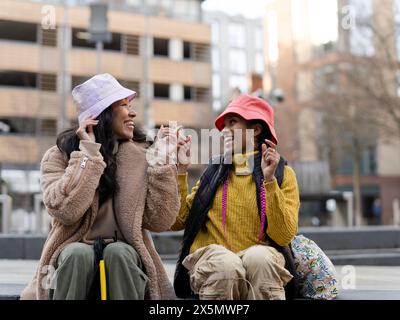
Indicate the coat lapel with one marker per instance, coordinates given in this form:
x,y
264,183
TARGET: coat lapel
x,y
132,182
130,203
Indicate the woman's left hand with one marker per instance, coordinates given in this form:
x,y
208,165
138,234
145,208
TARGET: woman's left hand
x,y
164,149
269,160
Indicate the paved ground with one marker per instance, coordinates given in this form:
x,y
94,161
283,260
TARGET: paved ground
x,y
358,282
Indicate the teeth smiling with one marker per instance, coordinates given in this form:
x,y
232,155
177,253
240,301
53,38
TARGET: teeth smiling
x,y
130,124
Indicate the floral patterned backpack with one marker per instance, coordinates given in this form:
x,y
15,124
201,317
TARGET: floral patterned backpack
x,y
316,273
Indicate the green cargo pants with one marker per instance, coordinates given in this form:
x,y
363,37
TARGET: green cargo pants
x,y
75,272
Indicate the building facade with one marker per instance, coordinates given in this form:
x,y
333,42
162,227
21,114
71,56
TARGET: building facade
x,y
237,55
310,44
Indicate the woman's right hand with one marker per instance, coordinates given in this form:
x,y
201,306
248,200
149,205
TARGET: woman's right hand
x,y
85,130
184,154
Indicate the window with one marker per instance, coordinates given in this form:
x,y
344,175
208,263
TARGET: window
x,y
201,94
362,35
259,63
187,93
161,90
196,51
47,82
80,38
187,50
130,84
115,44
369,161
77,80
398,83
41,81
237,61
197,94
201,52
19,31
180,8
215,32
325,79
29,126
216,86
18,79
258,38
216,105
368,164
131,44
48,37
160,47
397,26
237,35
215,59
238,82
194,10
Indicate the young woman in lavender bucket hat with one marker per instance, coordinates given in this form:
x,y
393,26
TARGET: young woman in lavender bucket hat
x,y
98,184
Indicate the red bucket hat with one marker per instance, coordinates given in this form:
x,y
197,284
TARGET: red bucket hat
x,y
249,108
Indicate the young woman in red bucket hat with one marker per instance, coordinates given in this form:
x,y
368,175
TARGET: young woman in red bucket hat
x,y
241,216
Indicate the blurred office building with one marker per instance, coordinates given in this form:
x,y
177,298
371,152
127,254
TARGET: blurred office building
x,y
337,63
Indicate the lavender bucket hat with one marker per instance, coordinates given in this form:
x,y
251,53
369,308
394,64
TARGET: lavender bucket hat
x,y
96,94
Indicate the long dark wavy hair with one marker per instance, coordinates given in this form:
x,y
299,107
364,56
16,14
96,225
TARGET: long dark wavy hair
x,y
68,141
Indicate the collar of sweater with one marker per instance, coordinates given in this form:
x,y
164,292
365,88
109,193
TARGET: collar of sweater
x,y
244,163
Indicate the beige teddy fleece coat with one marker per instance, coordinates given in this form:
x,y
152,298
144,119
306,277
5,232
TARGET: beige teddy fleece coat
x,y
147,200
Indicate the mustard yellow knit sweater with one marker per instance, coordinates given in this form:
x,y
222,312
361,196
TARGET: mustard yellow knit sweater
x,y
242,218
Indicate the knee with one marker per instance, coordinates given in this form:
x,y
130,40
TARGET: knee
x,y
261,256
225,263
231,266
77,252
120,251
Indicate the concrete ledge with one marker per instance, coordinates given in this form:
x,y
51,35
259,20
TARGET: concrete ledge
x,y
10,291
354,238
169,243
369,295
21,247
13,291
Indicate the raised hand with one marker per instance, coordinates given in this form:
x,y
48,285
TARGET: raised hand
x,y
269,160
184,152
85,130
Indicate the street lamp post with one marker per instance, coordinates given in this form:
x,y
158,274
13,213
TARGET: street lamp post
x,y
98,31
99,49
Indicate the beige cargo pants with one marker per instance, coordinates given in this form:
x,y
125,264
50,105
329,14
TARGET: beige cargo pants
x,y
217,273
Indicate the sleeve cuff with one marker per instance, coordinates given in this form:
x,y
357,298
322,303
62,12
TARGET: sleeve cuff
x,y
182,179
163,170
91,149
270,186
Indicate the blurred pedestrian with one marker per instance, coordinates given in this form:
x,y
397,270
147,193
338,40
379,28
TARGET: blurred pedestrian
x,y
377,211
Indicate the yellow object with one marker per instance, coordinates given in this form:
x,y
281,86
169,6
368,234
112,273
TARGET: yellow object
x,y
242,163
103,286
243,220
